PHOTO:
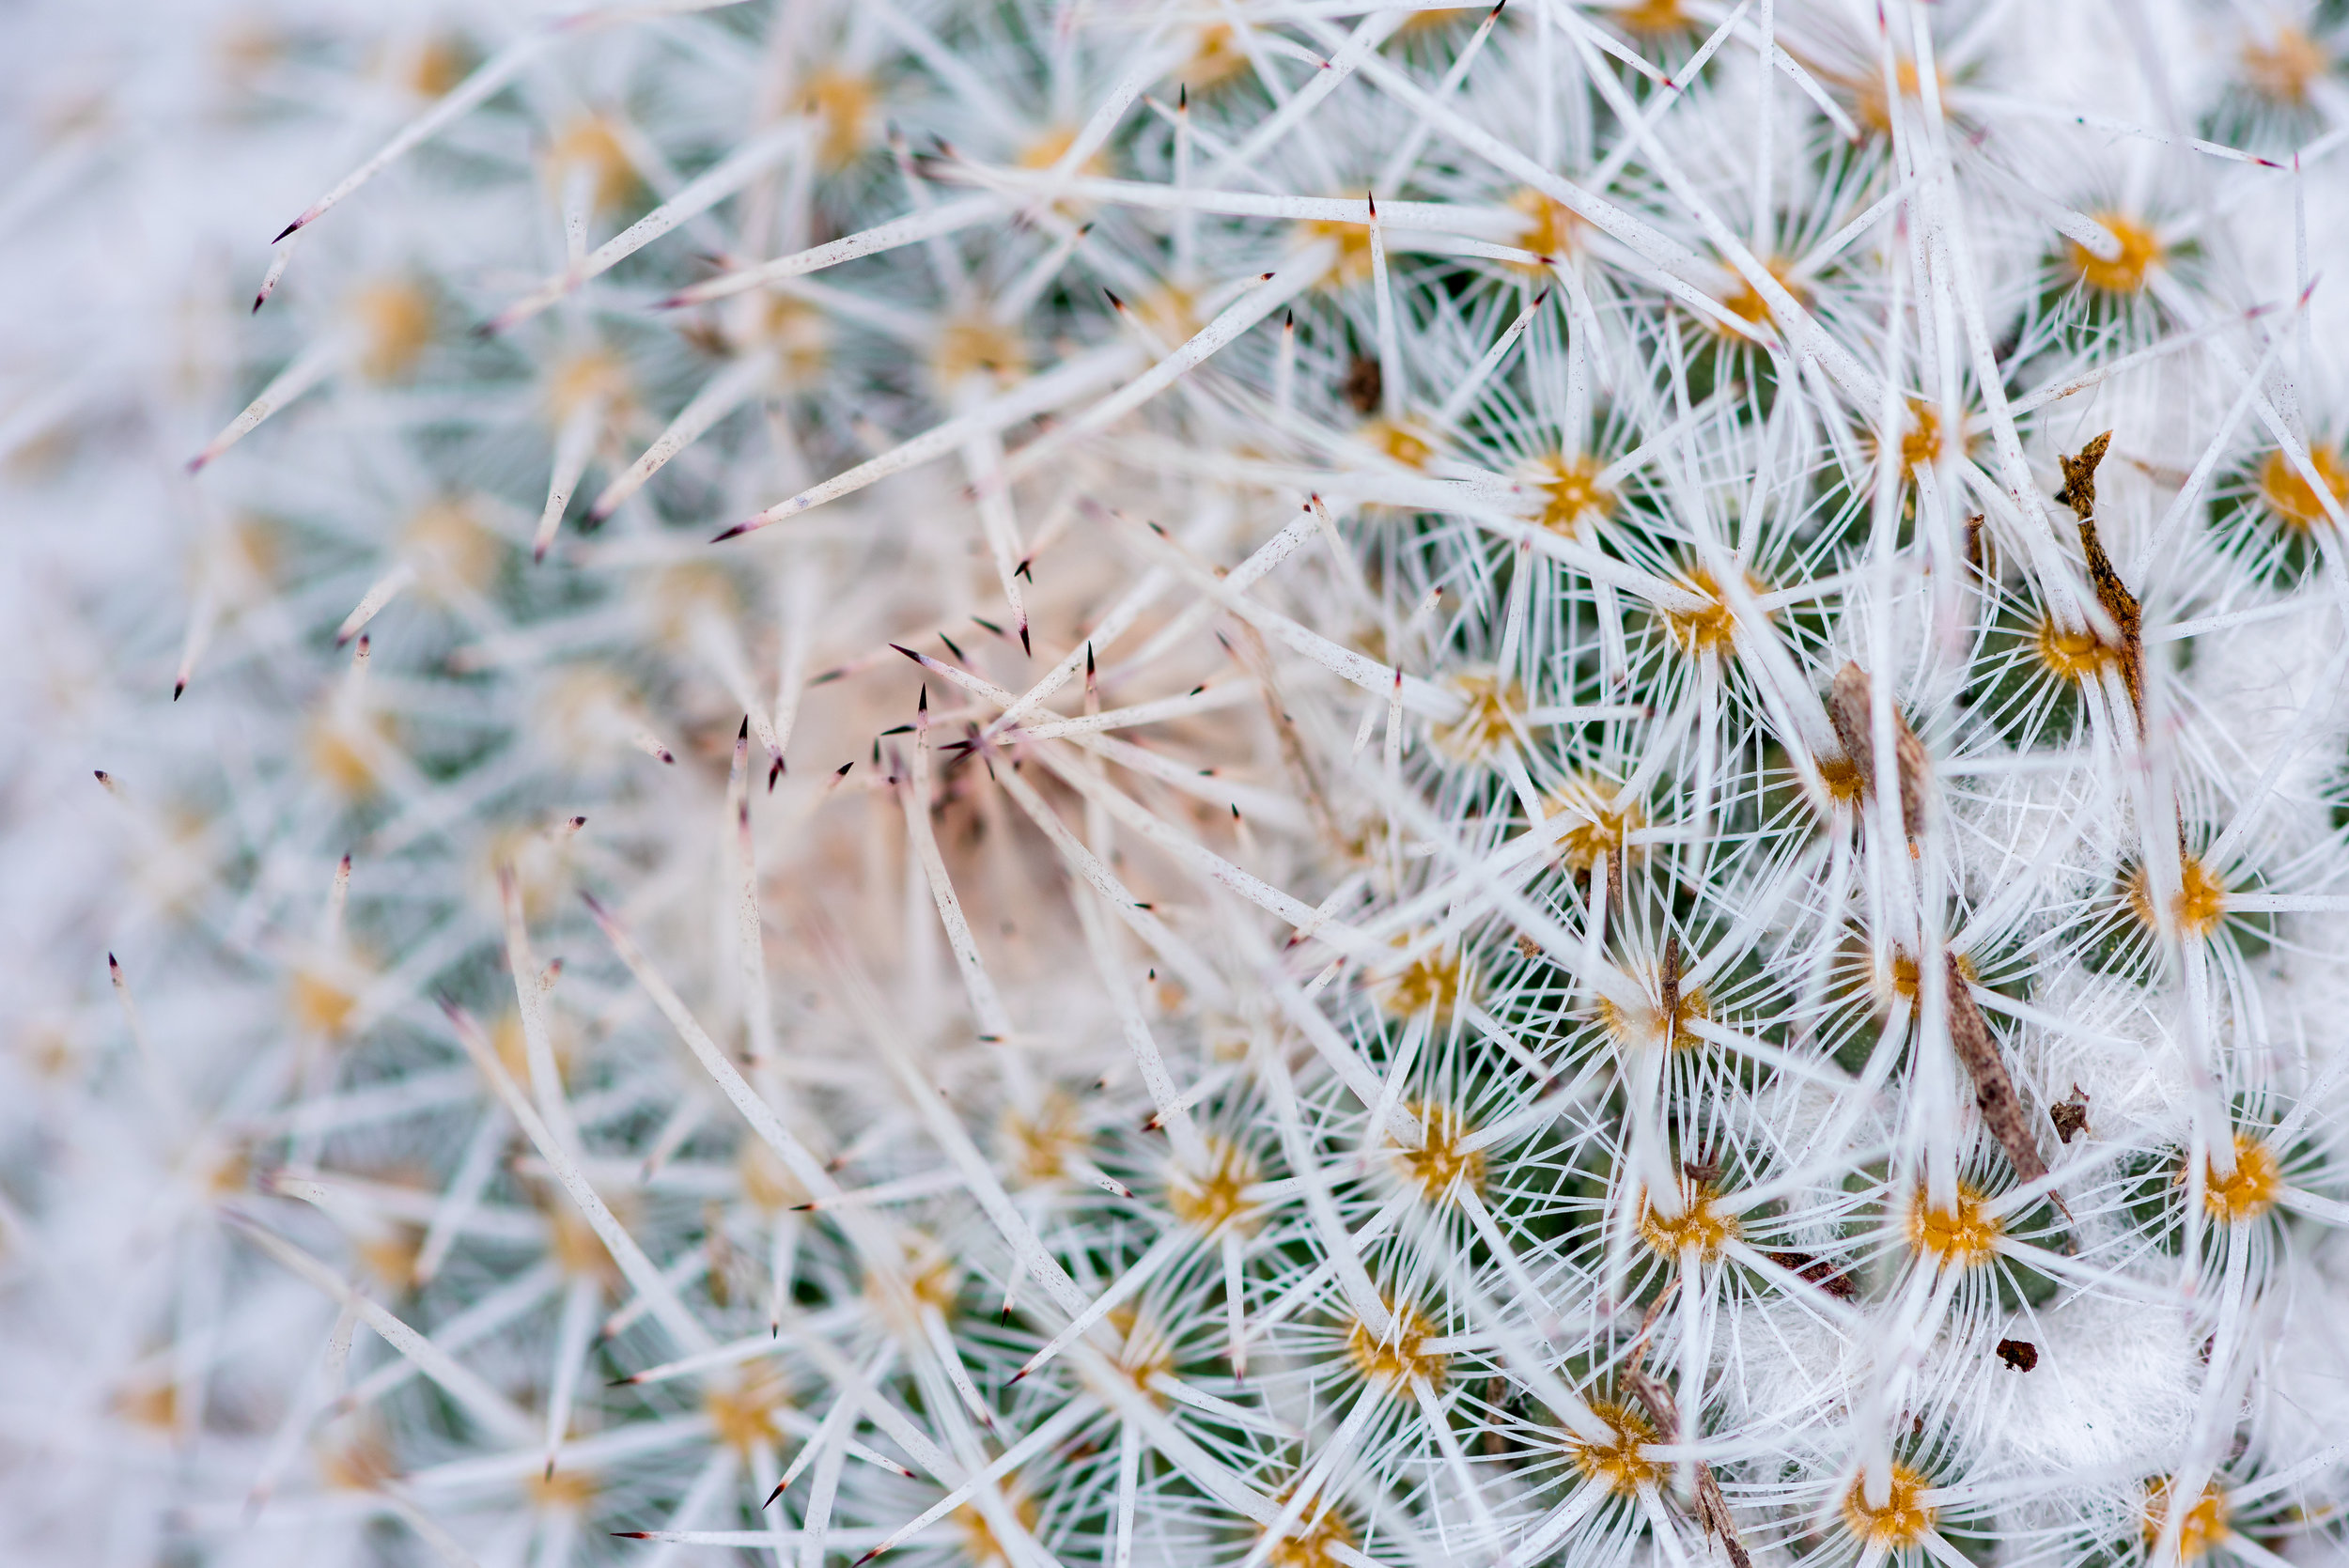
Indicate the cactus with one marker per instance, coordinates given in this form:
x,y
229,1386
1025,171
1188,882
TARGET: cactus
x,y
1267,784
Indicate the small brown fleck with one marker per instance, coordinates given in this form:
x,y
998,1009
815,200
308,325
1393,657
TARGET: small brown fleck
x,y
1527,946
2019,1354
2070,1115
1363,385
1819,1271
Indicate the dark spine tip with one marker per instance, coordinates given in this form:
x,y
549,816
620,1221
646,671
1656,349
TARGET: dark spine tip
x,y
1025,647
842,771
287,229
177,687
734,532
744,733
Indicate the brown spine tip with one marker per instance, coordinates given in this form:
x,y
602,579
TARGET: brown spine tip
x,y
734,532
2080,493
1978,1052
2079,476
282,233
